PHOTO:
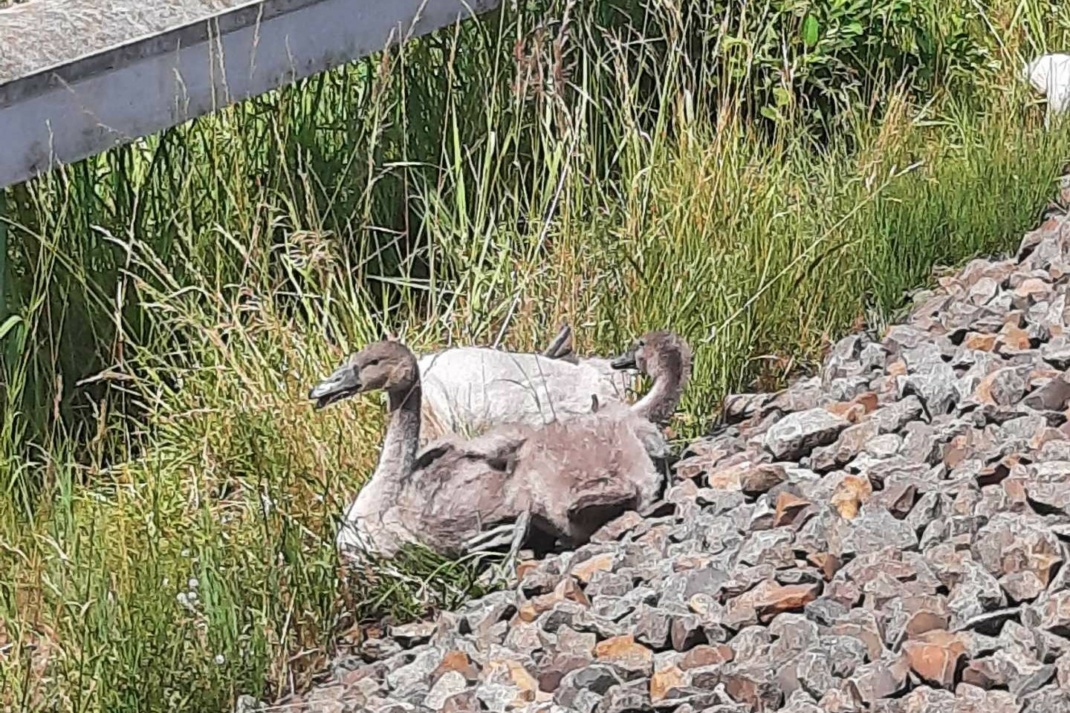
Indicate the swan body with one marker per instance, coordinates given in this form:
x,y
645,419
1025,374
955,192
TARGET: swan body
x,y
468,390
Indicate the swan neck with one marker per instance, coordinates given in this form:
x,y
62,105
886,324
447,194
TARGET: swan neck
x,y
397,456
659,404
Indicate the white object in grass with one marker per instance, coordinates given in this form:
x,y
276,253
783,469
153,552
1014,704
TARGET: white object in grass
x,y
1050,75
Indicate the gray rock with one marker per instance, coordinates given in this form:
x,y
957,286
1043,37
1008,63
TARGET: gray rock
x,y
845,654
753,685
381,705
913,615
478,616
248,704
1003,387
650,625
751,643
852,356
873,530
850,443
411,634
928,700
970,699
449,684
1057,352
769,547
1054,614
796,434
812,670
586,686
1051,396
627,698
884,678
680,587
415,676
614,584
1047,700
1016,544
825,611
687,631
934,384
919,443
792,634
862,625
975,593
845,699
893,417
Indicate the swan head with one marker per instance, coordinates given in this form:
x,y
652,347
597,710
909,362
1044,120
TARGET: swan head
x,y
386,365
656,354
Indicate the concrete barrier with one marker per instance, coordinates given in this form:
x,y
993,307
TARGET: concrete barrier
x,y
78,77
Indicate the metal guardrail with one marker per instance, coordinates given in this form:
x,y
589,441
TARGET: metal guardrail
x,y
78,77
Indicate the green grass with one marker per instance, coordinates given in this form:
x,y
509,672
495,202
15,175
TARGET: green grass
x,y
176,298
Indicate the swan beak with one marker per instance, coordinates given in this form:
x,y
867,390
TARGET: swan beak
x,y
342,384
624,361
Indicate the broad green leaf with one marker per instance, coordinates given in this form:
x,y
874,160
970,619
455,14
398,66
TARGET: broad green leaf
x,y
770,113
809,31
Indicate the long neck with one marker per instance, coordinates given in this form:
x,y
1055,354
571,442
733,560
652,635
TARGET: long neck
x,y
660,402
397,455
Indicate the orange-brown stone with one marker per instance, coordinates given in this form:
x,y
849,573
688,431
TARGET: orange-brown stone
x,y
524,567
897,368
566,589
829,564
586,569
769,599
665,680
788,507
569,589
730,479
852,491
935,657
705,655
456,661
626,652
847,410
1014,337
980,342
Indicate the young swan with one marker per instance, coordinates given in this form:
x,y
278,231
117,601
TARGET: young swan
x,y
440,497
472,389
581,473
666,358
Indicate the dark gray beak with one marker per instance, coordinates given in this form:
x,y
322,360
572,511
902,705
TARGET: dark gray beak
x,y
342,384
624,361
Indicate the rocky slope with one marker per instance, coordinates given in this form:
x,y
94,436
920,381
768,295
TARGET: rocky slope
x,y
888,536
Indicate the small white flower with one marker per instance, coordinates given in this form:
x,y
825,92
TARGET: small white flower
x,y
192,597
193,583
219,660
182,599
